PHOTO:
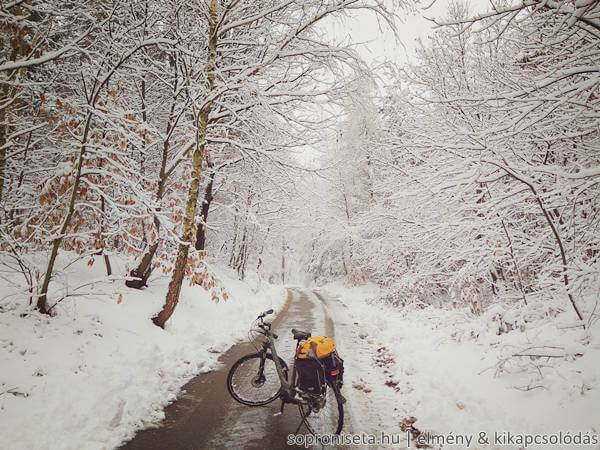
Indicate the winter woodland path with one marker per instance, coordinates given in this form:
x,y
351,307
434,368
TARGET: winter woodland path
x,y
205,416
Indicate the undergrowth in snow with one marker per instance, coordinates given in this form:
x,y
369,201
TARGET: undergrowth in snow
x,y
99,370
518,370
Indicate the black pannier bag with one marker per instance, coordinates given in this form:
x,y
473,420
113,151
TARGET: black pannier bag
x,y
311,375
334,368
317,363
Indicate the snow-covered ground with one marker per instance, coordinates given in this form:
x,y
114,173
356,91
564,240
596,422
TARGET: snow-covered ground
x,y
456,375
99,370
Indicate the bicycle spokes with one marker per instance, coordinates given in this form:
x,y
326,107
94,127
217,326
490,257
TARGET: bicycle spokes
x,y
254,381
323,414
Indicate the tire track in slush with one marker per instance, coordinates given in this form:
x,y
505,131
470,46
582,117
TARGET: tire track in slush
x,y
205,415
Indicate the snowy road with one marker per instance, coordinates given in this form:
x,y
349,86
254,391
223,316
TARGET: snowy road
x,y
205,416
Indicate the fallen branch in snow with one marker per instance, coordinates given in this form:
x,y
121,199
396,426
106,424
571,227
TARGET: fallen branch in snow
x,y
529,387
486,369
7,391
91,283
534,353
542,355
14,392
530,351
568,327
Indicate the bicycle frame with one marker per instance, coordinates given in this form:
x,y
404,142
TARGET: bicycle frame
x,y
288,389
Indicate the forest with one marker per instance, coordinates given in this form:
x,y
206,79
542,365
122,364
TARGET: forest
x,y
475,176
151,147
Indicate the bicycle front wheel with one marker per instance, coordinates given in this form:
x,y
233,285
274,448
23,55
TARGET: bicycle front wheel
x,y
253,380
324,416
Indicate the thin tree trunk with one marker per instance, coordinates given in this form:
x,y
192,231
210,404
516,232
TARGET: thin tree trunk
x,y
347,208
3,127
563,254
243,250
556,234
208,198
103,250
283,263
41,302
5,93
20,180
234,244
499,274
107,264
144,269
145,121
514,259
248,248
142,272
262,249
174,290
239,261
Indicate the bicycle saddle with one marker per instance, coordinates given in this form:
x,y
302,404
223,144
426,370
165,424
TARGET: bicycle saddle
x,y
300,335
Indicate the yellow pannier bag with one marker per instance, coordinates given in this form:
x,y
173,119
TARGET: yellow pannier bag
x,y
322,346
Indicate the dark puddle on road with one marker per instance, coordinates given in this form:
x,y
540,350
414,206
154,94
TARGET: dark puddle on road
x,y
205,416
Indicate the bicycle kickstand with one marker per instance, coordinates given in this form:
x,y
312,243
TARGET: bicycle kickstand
x,y
281,409
303,421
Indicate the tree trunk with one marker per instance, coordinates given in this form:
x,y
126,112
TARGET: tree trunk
x,y
107,264
41,302
208,198
144,269
234,243
248,248
239,261
283,263
5,93
3,126
262,249
174,290
20,180
558,239
514,260
102,232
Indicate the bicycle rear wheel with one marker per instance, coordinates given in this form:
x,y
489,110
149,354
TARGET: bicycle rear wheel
x,y
325,419
252,387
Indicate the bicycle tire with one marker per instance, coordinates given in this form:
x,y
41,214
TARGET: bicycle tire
x,y
233,389
332,427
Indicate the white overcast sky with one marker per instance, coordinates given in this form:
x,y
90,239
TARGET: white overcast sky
x,y
379,41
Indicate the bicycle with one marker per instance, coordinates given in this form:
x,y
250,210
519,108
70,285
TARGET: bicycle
x,y
260,378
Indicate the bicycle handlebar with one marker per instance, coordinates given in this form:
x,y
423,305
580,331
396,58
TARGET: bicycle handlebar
x,y
266,313
266,326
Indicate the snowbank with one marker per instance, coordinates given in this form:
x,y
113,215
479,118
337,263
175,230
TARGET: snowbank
x,y
100,370
457,373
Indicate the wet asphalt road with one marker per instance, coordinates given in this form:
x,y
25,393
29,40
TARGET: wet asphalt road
x,y
205,416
